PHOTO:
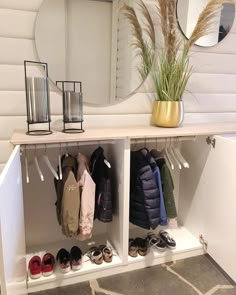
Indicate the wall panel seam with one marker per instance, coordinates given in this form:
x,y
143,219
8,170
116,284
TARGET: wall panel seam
x,y
18,9
15,37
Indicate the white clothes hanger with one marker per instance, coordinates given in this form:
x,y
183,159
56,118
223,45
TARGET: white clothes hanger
x,y
26,168
37,166
171,152
181,158
48,163
50,167
168,158
67,153
59,164
107,163
175,158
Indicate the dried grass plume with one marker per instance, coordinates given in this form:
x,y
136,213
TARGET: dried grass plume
x,y
206,19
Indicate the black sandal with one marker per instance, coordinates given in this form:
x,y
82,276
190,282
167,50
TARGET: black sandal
x,y
170,242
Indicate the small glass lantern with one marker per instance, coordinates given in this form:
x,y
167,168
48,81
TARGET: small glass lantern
x,y
72,106
37,97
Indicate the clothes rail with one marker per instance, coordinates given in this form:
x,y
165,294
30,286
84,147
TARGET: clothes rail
x,y
163,139
65,145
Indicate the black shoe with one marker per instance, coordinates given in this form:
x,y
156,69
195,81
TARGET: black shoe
x,y
133,248
170,242
63,258
142,246
76,258
156,242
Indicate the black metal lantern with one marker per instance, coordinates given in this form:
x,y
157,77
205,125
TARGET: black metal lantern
x,y
37,97
72,106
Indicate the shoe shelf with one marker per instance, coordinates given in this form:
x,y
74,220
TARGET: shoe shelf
x,y
58,278
185,243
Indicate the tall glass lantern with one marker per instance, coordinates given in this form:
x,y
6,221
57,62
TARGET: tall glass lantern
x,y
37,98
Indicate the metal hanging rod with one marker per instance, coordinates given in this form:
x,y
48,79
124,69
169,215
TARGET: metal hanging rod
x,y
163,139
66,145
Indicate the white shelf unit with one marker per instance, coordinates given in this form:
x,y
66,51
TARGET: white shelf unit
x,y
28,221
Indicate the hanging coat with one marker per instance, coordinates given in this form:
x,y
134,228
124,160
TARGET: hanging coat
x,y
68,197
167,184
101,175
168,190
87,201
144,193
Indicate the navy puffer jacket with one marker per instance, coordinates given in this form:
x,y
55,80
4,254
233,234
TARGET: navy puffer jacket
x,y
144,192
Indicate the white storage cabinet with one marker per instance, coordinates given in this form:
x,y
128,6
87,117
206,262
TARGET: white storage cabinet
x,y
205,198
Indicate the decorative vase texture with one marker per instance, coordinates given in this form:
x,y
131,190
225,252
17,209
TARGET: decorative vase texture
x,y
168,113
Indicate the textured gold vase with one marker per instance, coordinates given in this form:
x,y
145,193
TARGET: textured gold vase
x,y
167,113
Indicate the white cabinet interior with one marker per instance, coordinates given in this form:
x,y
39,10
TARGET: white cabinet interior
x,y
204,200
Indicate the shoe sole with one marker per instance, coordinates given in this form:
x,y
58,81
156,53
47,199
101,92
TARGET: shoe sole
x,y
48,273
171,247
35,277
65,270
159,249
76,267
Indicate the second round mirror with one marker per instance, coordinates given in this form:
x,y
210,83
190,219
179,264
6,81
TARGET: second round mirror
x,y
188,12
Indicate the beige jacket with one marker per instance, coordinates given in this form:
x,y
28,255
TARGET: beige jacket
x,y
70,206
87,201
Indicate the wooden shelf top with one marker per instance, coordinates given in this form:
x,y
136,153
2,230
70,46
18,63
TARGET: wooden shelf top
x,y
138,132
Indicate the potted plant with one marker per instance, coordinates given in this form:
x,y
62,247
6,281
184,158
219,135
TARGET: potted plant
x,y
171,70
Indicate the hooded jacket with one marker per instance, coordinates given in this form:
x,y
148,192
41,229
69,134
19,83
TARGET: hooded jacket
x,y
87,201
68,197
144,192
103,195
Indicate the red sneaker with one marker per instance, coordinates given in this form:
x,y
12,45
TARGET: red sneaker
x,y
35,267
48,263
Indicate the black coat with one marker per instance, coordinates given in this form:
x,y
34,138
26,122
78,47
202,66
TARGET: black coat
x,y
144,192
101,176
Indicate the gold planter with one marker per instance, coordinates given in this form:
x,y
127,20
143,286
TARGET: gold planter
x,y
167,113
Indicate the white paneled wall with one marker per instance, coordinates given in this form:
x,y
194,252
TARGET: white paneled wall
x,y
211,89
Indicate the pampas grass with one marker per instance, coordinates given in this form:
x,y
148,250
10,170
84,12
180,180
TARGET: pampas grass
x,y
171,69
145,46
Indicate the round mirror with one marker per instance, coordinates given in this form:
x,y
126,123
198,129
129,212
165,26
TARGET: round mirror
x,y
188,12
89,41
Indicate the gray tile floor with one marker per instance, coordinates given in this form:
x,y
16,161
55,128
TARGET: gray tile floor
x,y
192,276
